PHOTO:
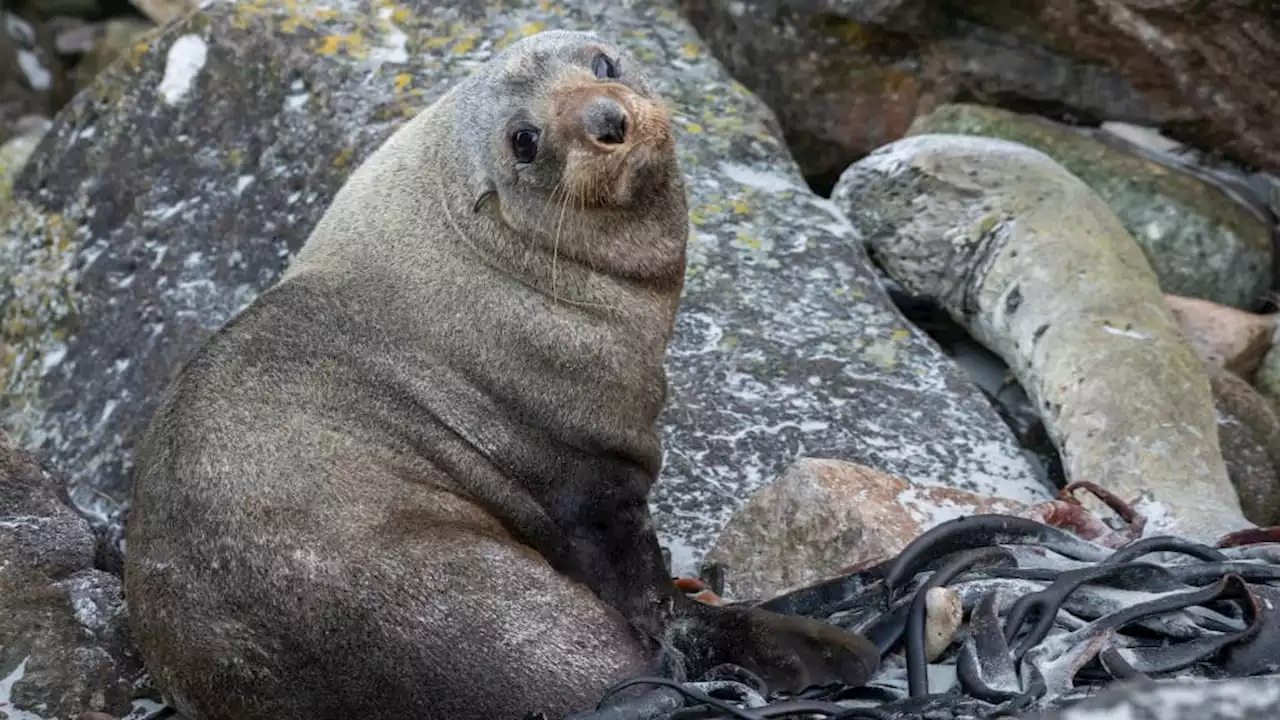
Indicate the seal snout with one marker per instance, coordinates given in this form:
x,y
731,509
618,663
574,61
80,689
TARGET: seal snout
x,y
605,121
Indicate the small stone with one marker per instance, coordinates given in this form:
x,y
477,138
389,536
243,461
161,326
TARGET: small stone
x,y
823,516
1229,338
943,613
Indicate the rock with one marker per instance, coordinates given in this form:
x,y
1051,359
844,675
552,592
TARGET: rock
x,y
26,74
1267,377
943,615
1231,339
15,151
1200,241
1041,271
175,188
823,516
164,11
1212,59
1255,698
846,77
111,39
1249,434
64,644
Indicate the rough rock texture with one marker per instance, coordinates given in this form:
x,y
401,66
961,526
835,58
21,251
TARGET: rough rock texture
x,y
175,189
1201,242
847,76
1213,58
1229,338
64,644
1040,270
1267,377
1256,698
1249,434
15,151
109,40
823,516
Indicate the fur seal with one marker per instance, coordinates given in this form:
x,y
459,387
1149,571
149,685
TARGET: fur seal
x,y
411,479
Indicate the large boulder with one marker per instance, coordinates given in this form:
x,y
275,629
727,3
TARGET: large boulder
x,y
1199,239
175,188
847,76
1041,271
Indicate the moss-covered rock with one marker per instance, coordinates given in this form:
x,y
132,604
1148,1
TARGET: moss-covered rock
x,y
1200,241
176,187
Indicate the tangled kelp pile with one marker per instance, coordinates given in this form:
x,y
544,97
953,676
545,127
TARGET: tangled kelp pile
x,y
1041,619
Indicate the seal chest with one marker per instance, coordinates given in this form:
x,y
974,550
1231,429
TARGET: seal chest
x,y
411,479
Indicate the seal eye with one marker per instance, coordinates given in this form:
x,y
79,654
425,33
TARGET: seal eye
x,y
524,143
604,68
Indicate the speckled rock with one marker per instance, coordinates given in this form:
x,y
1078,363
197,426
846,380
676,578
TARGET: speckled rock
x,y
1249,433
15,151
1255,698
64,645
1212,59
1201,242
143,224
847,76
823,516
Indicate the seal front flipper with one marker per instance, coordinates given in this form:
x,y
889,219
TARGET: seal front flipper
x,y
789,652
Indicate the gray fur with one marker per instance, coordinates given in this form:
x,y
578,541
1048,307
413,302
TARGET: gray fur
x,y
411,479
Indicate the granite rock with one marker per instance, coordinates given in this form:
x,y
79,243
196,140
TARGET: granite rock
x,y
847,76
1213,59
64,642
824,516
1201,242
176,187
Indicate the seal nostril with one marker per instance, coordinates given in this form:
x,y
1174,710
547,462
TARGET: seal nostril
x,y
605,121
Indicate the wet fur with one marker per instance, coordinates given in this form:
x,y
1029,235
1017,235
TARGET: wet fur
x,y
411,479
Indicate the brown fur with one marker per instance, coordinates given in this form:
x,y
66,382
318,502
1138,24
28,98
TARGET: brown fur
x,y
411,480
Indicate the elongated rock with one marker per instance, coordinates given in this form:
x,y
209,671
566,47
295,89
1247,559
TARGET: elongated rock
x,y
1040,270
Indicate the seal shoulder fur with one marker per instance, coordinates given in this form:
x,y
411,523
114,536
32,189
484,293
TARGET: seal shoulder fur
x,y
411,479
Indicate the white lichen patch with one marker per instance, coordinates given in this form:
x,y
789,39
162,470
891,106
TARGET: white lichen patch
x,y
184,62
